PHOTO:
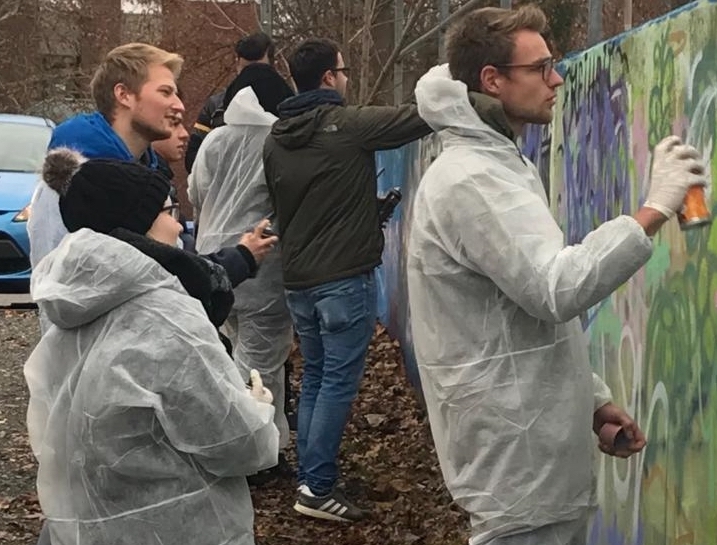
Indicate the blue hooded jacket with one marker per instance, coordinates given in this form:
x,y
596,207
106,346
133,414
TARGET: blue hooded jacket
x,y
93,137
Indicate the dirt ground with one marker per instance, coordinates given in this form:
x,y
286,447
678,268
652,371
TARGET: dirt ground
x,y
388,462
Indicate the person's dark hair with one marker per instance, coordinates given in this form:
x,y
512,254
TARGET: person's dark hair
x,y
485,37
310,61
254,46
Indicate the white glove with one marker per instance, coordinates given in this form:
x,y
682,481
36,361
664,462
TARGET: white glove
x,y
258,391
675,168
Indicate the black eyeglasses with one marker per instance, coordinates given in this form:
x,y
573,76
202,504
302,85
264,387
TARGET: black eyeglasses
x,y
172,210
344,69
545,67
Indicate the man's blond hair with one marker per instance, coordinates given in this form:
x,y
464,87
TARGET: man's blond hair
x,y
128,64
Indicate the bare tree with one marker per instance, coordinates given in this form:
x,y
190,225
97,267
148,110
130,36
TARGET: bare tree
x,y
365,32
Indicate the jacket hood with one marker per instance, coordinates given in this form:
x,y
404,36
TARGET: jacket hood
x,y
89,274
94,137
446,104
296,132
245,109
301,116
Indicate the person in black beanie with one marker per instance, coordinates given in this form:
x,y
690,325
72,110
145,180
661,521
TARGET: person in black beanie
x,y
105,195
256,53
269,87
142,426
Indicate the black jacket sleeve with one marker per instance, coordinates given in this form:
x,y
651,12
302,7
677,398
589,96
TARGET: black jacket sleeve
x,y
201,128
238,261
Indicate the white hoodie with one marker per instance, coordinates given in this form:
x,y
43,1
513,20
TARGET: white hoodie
x,y
494,299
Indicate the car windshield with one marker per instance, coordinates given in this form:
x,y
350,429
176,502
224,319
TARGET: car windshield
x,y
23,147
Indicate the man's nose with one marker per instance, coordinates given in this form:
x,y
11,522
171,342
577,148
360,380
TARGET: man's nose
x,y
556,80
178,105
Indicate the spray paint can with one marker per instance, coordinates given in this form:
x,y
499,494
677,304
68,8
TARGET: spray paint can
x,y
695,212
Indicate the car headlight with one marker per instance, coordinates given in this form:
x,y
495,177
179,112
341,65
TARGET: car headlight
x,y
22,215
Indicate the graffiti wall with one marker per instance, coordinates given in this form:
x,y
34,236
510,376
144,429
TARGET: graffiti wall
x,y
655,338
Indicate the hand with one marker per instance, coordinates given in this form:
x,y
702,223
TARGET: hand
x,y
258,391
612,414
257,243
675,168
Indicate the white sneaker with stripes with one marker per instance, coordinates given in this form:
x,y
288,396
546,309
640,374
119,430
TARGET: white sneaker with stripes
x,y
332,506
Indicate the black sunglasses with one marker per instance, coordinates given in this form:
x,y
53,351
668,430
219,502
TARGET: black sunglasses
x,y
344,69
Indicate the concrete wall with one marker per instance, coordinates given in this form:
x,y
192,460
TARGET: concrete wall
x,y
655,338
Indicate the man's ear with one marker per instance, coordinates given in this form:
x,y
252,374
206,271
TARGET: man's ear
x,y
490,80
328,79
122,94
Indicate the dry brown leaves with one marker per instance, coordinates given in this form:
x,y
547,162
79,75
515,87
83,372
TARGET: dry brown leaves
x,y
388,464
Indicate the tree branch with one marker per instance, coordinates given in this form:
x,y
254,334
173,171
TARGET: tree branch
x,y
416,11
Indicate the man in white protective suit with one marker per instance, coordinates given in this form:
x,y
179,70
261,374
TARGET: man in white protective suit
x,y
495,294
229,195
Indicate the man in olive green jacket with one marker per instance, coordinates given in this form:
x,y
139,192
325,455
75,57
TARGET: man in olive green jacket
x,y
320,169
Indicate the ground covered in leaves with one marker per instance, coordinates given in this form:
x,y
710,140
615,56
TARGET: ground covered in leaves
x,y
388,462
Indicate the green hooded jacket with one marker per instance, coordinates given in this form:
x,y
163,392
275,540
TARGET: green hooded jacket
x,y
321,173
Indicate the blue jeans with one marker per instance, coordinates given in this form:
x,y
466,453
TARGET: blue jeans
x,y
335,322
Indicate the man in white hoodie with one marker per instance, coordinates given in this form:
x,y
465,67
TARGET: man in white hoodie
x,y
229,195
495,293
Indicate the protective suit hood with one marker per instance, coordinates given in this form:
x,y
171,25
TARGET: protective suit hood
x,y
79,280
245,109
447,105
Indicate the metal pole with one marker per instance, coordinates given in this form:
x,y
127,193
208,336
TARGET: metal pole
x,y
267,16
628,14
506,4
444,12
398,22
594,21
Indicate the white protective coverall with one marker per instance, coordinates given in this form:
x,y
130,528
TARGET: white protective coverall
x,y
142,425
494,299
229,193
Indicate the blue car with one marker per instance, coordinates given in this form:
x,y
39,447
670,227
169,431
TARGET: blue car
x,y
23,145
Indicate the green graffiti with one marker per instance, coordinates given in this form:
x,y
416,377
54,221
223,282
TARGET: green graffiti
x,y
662,96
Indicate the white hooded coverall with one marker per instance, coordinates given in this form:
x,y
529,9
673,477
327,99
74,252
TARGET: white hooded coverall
x,y
143,428
495,297
230,196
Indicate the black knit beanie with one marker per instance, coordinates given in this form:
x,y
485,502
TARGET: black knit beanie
x,y
103,194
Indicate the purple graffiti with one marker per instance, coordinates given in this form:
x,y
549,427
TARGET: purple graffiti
x,y
596,186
